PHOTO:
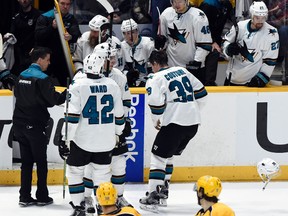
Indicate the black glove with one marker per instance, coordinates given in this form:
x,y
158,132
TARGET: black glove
x,y
233,49
8,80
122,139
160,41
259,80
193,66
132,76
63,149
127,129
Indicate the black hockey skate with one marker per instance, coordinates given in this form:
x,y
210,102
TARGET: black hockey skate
x,y
122,202
78,210
99,209
163,191
89,206
150,202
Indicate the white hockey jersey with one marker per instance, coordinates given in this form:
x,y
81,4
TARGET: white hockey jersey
x,y
188,35
175,96
96,114
83,48
121,80
139,55
262,46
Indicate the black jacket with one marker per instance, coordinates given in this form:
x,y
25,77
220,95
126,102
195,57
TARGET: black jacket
x,y
34,93
23,26
47,36
217,17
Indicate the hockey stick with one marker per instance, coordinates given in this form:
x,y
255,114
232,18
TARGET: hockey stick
x,y
233,19
66,134
110,11
1,46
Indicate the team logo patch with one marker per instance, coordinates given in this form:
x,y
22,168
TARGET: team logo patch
x,y
177,34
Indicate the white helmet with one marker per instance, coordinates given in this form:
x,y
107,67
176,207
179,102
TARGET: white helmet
x,y
93,63
97,22
258,8
267,169
128,25
105,50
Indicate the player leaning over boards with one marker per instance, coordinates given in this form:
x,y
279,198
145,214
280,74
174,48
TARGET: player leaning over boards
x,y
187,35
252,49
175,98
107,197
208,189
95,117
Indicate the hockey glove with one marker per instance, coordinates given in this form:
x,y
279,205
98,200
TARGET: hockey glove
x,y
127,129
132,76
193,66
120,141
259,80
8,80
233,49
160,41
64,150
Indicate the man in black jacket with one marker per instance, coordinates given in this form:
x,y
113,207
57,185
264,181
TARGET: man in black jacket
x,y
46,34
22,27
34,93
217,12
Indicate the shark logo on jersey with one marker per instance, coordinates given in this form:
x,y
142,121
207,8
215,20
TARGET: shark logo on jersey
x,y
272,31
201,14
140,66
246,54
176,35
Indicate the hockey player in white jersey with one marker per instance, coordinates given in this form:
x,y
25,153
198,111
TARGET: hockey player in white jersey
x,y
188,39
252,49
136,50
118,165
99,33
175,98
95,116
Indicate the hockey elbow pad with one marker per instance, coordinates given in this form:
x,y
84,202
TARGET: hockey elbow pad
x,y
259,80
160,42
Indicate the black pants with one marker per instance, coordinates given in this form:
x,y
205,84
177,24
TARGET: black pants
x,y
211,65
33,148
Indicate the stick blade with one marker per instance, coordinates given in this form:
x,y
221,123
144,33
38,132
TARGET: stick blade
x,y
106,5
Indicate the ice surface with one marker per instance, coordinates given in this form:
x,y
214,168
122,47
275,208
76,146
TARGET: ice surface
x,y
247,199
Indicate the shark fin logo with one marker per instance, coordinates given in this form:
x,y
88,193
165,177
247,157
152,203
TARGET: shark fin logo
x,y
177,35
